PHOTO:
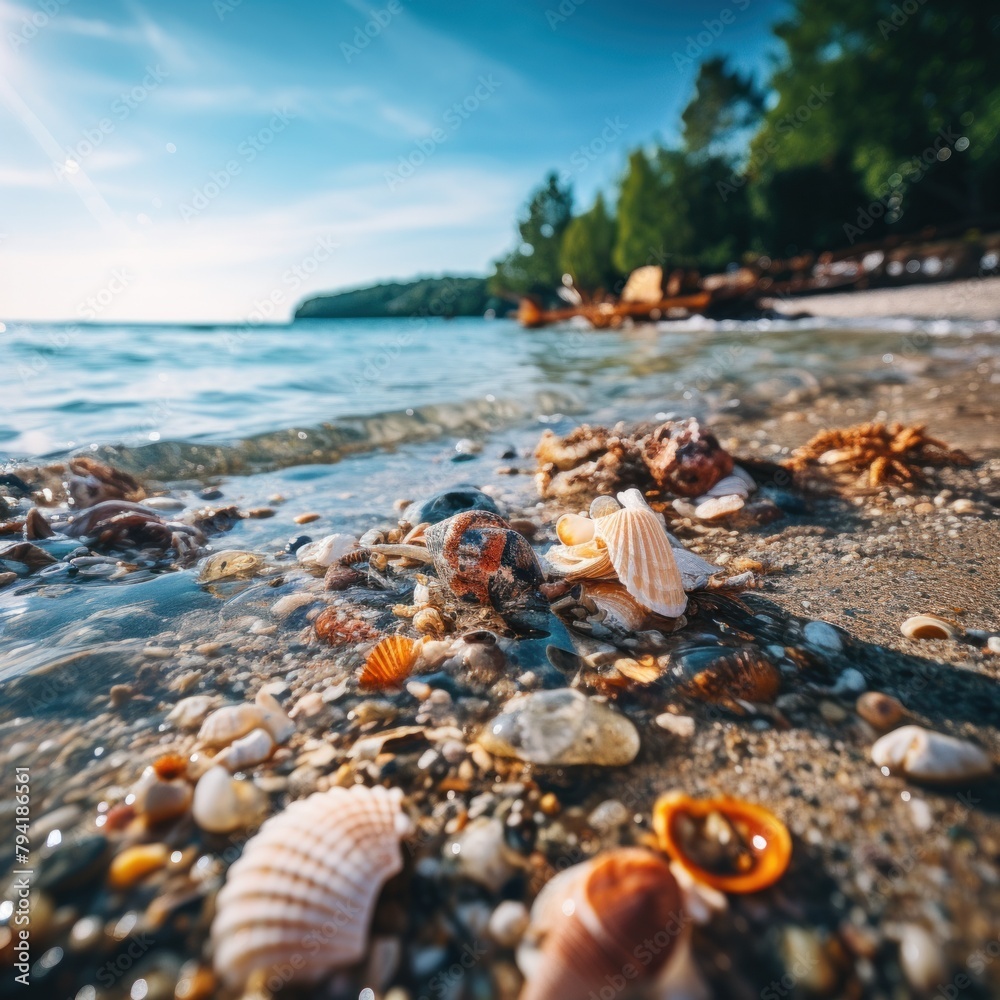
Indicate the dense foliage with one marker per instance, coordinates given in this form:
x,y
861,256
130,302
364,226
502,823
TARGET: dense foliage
x,y
424,297
879,119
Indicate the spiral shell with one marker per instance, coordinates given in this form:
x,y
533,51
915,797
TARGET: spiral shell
x,y
727,844
302,895
640,552
589,923
389,663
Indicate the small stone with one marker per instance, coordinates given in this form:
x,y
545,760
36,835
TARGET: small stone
x,y
561,726
120,694
189,713
925,755
822,635
965,506
832,712
924,508
880,710
285,606
609,815
481,853
259,513
682,726
549,804
306,518
7,578
222,804
135,863
850,681
508,922
993,643
921,958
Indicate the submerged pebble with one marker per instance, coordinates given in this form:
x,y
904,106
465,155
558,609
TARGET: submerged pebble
x,y
561,726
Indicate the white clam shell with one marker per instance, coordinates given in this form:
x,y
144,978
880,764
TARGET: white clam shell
x,y
249,750
725,487
694,570
229,723
326,551
639,550
719,506
306,885
742,473
928,627
925,755
222,804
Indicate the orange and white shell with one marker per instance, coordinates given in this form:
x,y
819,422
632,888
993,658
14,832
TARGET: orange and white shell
x,y
301,897
389,663
639,549
590,922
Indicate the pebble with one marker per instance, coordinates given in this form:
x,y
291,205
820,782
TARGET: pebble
x,y
306,518
880,710
481,853
58,819
832,712
965,506
561,726
850,681
222,804
190,712
608,815
822,635
508,922
7,578
135,863
160,800
993,643
679,725
921,958
163,503
290,603
807,958
925,755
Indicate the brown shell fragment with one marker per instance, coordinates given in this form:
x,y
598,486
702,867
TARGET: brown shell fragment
x,y
725,675
91,482
336,626
389,663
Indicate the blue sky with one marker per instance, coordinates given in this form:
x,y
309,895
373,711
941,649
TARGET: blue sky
x,y
216,160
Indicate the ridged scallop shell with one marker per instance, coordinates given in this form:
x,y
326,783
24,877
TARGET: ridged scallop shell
x,y
307,884
743,836
925,755
640,552
589,923
589,561
602,506
248,751
389,663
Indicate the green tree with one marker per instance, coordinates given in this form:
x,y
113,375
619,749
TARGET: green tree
x,y
725,107
532,267
641,214
586,250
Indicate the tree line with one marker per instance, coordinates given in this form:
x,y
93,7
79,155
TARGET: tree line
x,y
878,119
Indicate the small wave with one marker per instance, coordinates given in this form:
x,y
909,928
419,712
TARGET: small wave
x,y
327,442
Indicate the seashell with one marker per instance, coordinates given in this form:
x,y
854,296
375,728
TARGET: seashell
x,y
480,853
326,551
713,507
248,751
694,570
640,552
724,843
561,726
336,626
620,608
602,506
223,804
728,486
589,923
880,710
925,755
229,723
508,922
725,674
928,627
589,561
189,713
389,663
428,621
742,473
306,886
232,564
642,671
574,529
160,799
480,558
170,766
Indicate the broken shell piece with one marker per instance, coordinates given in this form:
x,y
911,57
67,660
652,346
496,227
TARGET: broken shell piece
x,y
326,551
160,799
727,844
229,723
588,925
924,755
620,608
561,726
715,507
574,529
928,627
640,552
248,751
587,561
273,717
641,671
389,663
300,899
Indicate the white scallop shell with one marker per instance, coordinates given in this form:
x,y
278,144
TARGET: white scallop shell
x,y
326,551
249,750
925,755
640,552
725,487
307,883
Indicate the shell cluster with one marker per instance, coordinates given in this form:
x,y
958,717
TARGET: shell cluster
x,y
300,899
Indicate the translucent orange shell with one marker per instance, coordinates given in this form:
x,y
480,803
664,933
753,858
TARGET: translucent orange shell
x,y
389,663
768,838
